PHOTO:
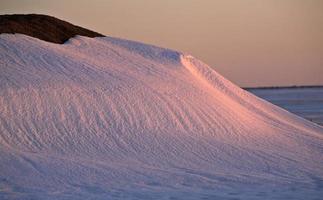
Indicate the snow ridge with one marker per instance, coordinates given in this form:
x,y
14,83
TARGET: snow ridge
x,y
110,118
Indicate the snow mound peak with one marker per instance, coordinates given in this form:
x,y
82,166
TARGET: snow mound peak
x,y
110,118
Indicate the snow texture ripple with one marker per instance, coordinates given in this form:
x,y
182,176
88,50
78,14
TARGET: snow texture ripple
x,y
105,118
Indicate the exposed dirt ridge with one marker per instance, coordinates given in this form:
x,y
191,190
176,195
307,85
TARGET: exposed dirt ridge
x,y
43,27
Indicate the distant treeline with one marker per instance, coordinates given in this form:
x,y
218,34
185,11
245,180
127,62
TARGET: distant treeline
x,y
284,87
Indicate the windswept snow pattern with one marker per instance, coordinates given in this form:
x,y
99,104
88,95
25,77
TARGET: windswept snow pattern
x,y
105,118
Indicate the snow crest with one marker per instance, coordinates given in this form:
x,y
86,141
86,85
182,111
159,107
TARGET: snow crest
x,y
109,118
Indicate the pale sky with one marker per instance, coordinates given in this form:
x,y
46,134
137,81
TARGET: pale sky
x,y
250,42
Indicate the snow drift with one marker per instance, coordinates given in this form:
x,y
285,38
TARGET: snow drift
x,y
106,118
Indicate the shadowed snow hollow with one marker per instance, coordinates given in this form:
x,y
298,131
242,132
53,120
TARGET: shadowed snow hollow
x,y
109,118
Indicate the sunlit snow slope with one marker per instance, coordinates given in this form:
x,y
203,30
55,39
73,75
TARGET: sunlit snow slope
x,y
105,118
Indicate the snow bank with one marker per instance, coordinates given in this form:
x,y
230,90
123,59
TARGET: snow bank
x,y
109,118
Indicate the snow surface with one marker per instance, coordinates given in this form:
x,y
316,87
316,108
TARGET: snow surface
x,y
306,102
105,118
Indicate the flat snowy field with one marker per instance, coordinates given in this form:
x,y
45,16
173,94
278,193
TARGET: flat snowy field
x,y
305,102
104,118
